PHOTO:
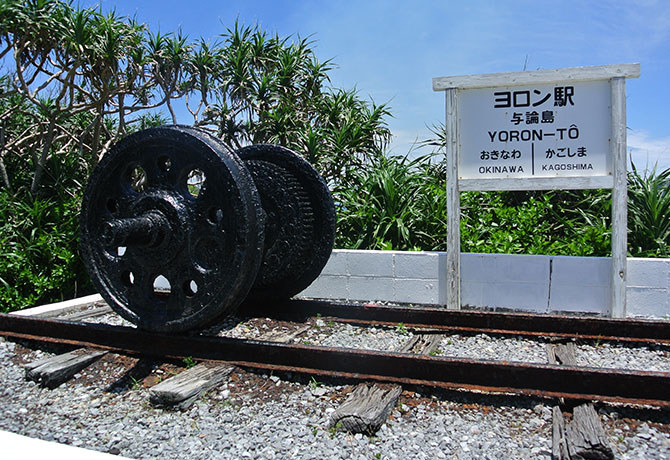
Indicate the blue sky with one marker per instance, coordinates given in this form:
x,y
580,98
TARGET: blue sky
x,y
391,50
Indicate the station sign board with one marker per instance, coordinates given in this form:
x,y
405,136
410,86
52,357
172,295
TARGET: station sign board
x,y
553,129
535,131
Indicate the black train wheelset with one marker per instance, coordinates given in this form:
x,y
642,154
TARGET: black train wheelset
x,y
177,230
171,229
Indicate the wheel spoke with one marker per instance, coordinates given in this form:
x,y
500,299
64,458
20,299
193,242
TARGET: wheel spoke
x,y
200,258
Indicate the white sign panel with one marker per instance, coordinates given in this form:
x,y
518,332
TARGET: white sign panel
x,y
543,130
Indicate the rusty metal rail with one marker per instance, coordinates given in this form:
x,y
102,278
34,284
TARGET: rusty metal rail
x,y
564,326
638,387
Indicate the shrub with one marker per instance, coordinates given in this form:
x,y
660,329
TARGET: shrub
x,y
394,202
39,256
649,213
391,203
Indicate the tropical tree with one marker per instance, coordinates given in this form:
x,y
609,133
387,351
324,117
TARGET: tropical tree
x,y
77,75
254,87
169,55
78,64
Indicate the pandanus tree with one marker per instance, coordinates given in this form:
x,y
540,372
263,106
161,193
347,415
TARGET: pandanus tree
x,y
169,54
76,77
105,71
254,87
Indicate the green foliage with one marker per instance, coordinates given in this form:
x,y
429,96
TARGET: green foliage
x,y
314,384
248,87
552,223
334,429
39,257
149,120
392,203
649,213
396,203
135,383
401,329
189,362
261,88
74,69
435,352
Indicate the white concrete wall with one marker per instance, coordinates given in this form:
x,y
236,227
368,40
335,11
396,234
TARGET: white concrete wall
x,y
395,276
648,288
518,282
541,284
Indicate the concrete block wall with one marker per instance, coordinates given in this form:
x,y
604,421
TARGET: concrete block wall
x,y
493,280
535,283
393,276
580,284
648,288
543,284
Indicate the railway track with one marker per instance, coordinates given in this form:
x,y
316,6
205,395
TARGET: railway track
x,y
439,319
569,382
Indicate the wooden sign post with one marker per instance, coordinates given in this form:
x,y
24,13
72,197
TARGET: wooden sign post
x,y
538,130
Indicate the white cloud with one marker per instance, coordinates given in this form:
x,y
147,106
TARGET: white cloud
x,y
646,151
407,142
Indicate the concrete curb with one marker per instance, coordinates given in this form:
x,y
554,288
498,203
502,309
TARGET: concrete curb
x,y
58,308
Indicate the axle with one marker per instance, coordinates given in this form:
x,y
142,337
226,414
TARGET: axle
x,y
150,229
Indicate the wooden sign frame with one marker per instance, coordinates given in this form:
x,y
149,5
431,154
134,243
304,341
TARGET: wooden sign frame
x,y
616,75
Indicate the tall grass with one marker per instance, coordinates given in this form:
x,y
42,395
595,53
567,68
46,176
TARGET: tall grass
x,y
391,203
399,203
649,213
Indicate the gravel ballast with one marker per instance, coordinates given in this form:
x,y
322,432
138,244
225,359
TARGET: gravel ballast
x,y
257,415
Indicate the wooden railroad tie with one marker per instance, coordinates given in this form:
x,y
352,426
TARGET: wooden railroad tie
x,y
368,406
52,371
95,311
583,436
184,389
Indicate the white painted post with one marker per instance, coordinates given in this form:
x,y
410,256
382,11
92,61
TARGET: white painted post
x,y
611,176
619,198
453,203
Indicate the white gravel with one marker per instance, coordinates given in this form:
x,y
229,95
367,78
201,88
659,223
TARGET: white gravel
x,y
602,355
612,355
333,334
294,424
236,421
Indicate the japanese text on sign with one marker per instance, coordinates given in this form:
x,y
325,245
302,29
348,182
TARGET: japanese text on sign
x,y
539,131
